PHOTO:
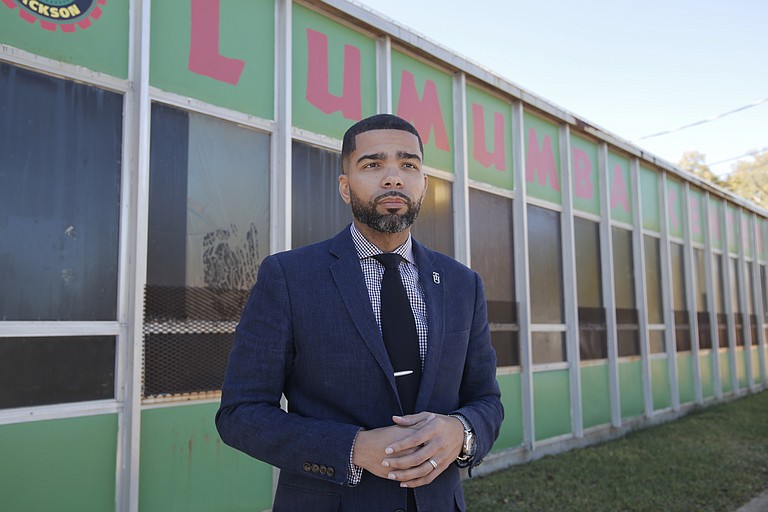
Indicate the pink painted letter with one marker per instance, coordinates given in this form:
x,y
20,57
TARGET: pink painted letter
x,y
350,102
582,171
540,162
619,193
204,56
424,113
480,152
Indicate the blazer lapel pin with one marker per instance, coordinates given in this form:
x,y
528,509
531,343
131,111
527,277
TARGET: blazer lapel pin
x,y
436,277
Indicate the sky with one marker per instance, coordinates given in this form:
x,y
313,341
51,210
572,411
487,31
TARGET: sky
x,y
631,68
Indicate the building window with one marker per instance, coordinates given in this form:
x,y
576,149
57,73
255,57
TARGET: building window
x,y
593,341
738,314
753,327
60,151
679,305
764,295
652,252
208,232
703,317
546,278
434,227
60,171
624,290
548,347
722,317
318,212
56,370
490,217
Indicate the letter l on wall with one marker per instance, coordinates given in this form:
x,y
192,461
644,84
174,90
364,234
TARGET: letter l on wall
x,y
204,56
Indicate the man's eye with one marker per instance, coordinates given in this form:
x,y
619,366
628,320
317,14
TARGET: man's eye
x,y
370,165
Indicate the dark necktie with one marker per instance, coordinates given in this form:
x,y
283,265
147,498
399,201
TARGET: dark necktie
x,y
398,327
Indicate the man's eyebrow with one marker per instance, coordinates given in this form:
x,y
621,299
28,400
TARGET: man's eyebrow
x,y
372,156
402,155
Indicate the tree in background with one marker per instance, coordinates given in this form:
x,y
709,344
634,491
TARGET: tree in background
x,y
695,162
748,178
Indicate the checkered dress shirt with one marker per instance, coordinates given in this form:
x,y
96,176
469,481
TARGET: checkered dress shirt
x,y
373,271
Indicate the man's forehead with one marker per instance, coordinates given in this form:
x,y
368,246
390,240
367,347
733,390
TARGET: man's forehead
x,y
386,136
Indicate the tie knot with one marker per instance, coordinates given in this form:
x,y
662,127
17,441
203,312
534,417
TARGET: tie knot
x,y
389,259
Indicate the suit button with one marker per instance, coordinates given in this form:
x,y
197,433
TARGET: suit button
x,y
323,470
330,472
307,466
399,510
315,468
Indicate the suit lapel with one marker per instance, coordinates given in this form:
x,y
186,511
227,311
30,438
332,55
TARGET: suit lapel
x,y
354,292
430,276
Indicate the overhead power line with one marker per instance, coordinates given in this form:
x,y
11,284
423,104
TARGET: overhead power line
x,y
708,120
751,153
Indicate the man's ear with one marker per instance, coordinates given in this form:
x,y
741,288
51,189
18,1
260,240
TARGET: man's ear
x,y
344,188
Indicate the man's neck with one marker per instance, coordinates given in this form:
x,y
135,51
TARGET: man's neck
x,y
387,242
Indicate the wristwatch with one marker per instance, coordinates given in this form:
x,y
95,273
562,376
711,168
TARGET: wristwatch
x,y
469,447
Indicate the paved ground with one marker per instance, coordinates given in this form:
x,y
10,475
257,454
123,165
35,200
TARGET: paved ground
x,y
759,504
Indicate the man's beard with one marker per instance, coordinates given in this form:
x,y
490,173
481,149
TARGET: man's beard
x,y
384,222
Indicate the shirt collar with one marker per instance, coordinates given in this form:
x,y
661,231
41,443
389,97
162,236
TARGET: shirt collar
x,y
366,249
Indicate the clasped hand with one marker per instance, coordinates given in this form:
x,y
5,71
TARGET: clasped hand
x,y
403,451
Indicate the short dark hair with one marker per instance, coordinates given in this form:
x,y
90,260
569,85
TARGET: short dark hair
x,y
375,122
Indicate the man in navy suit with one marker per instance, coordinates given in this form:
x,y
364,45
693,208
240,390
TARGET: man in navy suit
x,y
312,331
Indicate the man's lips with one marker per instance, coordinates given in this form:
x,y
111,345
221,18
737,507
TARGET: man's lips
x,y
392,201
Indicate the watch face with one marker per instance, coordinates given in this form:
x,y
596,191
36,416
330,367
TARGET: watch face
x,y
471,445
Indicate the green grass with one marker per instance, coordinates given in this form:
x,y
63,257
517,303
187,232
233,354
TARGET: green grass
x,y
713,459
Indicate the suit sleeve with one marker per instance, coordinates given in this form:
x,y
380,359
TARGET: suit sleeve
x,y
250,417
480,398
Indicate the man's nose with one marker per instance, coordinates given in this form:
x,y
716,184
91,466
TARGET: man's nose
x,y
392,177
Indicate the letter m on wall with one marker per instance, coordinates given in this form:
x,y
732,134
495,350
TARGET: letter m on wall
x,y
540,161
425,113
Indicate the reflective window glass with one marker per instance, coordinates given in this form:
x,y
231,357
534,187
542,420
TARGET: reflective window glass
x,y
656,344
652,252
682,328
703,316
764,296
764,292
318,212
60,159
56,370
490,218
751,300
627,326
545,261
208,232
593,340
548,347
738,314
722,317
507,346
434,227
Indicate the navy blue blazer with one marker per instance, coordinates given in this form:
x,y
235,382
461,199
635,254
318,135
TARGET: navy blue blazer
x,y
308,331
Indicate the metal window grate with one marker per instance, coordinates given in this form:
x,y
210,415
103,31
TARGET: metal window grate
x,y
187,338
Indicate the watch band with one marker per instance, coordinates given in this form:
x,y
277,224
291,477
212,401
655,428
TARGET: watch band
x,y
464,458
464,421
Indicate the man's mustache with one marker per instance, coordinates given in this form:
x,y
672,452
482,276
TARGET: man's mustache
x,y
393,193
